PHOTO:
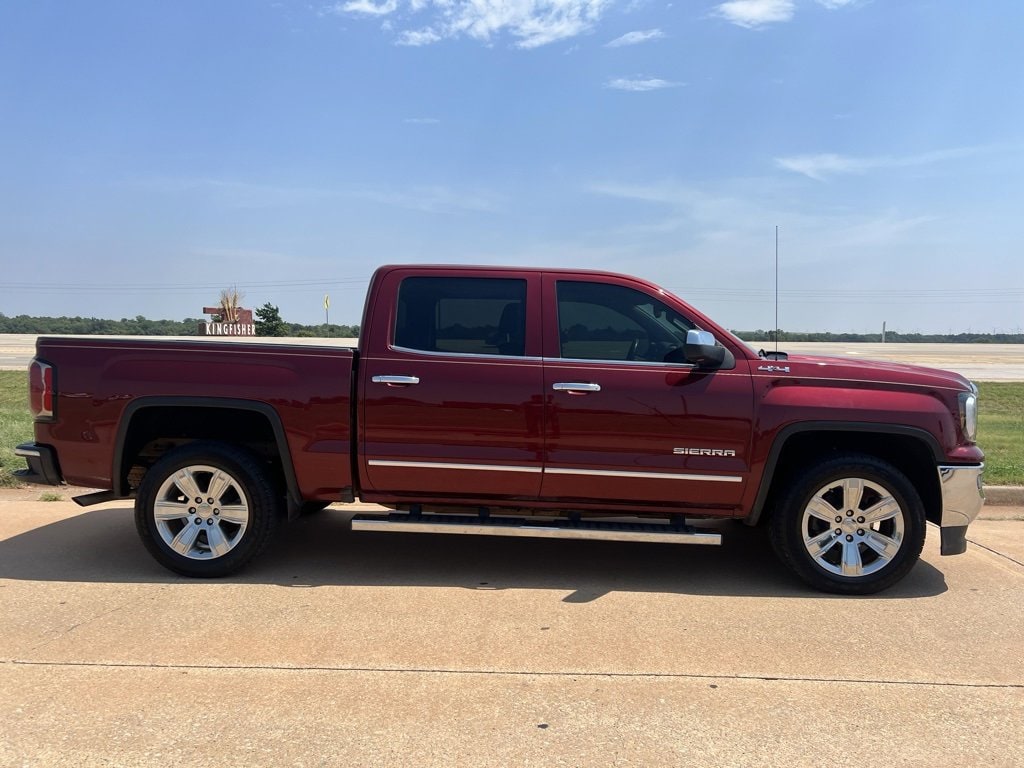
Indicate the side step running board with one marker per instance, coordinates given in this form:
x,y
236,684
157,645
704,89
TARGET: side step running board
x,y
518,526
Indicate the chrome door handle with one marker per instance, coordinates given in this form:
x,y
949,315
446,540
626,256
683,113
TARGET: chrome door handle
x,y
396,381
576,387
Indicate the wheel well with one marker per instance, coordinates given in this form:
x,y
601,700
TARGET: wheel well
x,y
154,430
912,456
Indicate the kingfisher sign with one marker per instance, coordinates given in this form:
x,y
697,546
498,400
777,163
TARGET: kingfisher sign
x,y
227,320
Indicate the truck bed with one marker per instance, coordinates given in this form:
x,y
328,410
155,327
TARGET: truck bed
x,y
106,385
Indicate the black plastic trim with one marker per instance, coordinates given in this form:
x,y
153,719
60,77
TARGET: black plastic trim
x,y
831,426
44,463
99,497
263,409
353,429
954,540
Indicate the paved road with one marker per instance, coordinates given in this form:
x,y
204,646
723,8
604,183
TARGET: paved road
x,y
979,362
352,648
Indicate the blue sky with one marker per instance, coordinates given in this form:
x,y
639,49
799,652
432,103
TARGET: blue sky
x,y
154,153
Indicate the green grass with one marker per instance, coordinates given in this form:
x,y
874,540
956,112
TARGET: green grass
x,y
1001,431
1000,428
15,423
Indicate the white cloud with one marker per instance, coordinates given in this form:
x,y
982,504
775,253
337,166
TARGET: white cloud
x,y
640,84
755,13
427,199
751,207
885,227
421,120
532,23
833,4
418,37
729,221
633,38
821,166
367,7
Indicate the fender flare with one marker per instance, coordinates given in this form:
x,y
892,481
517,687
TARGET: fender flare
x,y
264,409
784,434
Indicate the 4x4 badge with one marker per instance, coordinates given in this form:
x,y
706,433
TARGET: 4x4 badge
x,y
774,368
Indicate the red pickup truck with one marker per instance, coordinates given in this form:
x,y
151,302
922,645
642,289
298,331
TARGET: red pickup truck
x,y
517,402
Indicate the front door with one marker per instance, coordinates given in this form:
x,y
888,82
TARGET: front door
x,y
627,421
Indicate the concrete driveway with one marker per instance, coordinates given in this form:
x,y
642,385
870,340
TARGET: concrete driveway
x,y
351,648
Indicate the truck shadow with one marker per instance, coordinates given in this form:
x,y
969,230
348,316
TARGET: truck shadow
x,y
102,546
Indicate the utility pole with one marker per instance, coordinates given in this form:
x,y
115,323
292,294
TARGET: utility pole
x,y
776,287
883,331
327,312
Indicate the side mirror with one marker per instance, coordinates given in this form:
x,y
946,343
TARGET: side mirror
x,y
702,351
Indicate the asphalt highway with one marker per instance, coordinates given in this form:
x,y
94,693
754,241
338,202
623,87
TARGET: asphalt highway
x,y
978,362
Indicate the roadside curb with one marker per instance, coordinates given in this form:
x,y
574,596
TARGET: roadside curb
x,y
1004,495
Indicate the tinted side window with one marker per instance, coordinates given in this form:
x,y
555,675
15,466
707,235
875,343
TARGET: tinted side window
x,y
597,321
463,315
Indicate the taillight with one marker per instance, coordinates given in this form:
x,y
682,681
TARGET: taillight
x,y
40,390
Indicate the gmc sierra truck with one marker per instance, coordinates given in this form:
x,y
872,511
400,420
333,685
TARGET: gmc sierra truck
x,y
516,402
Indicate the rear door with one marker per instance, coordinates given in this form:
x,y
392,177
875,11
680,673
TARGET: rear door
x,y
451,385
627,422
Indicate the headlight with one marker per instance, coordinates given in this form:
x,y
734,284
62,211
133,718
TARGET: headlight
x,y
969,415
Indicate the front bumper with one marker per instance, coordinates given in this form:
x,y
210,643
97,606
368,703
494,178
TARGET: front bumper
x,y
962,499
42,461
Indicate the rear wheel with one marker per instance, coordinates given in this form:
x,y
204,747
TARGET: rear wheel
x,y
852,524
205,509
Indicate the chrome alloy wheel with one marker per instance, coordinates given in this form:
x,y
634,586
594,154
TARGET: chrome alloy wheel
x,y
201,512
852,527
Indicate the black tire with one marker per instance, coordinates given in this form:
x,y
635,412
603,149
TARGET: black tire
x,y
235,504
852,524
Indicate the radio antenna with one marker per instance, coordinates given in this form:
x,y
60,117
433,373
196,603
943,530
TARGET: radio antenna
x,y
776,289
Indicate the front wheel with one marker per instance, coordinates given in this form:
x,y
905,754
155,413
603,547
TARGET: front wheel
x,y
852,524
205,509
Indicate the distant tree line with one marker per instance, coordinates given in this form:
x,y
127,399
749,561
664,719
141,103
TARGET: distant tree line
x,y
890,337
269,323
141,326
93,325
322,331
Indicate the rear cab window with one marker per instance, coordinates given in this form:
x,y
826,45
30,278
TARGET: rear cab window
x,y
462,315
